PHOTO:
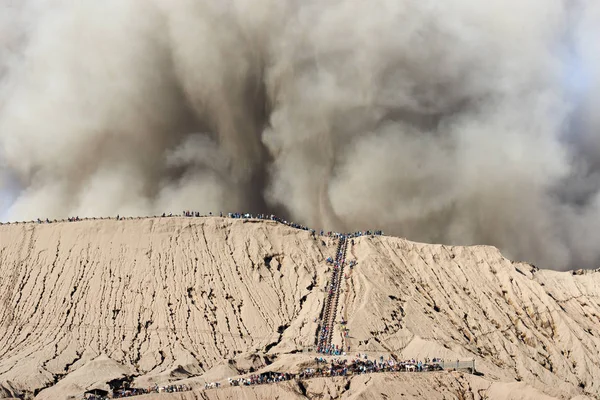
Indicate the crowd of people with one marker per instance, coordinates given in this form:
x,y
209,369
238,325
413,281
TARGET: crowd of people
x,y
90,396
259,379
129,392
360,364
333,350
212,385
324,344
77,219
124,392
236,215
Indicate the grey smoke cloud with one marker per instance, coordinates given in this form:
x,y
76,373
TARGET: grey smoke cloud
x,y
462,122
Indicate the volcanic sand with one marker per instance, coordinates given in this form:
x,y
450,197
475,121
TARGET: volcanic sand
x,y
191,300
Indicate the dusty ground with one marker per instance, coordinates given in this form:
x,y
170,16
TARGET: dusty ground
x,y
202,299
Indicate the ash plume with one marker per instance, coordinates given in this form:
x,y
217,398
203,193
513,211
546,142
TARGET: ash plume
x,y
461,122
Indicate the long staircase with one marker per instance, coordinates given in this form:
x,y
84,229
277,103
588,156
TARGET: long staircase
x,y
325,332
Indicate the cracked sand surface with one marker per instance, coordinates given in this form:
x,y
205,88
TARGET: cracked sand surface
x,y
151,293
173,298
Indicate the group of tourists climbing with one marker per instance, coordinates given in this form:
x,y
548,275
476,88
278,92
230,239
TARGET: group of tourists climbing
x,y
325,332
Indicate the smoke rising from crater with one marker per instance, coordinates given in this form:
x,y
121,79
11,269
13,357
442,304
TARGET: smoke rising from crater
x,y
462,122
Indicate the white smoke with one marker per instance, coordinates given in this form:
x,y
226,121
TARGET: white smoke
x,y
458,122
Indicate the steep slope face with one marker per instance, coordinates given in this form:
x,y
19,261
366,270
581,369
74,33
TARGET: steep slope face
x,y
517,322
151,294
163,295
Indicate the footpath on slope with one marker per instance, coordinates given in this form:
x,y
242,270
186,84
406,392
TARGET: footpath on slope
x,y
325,332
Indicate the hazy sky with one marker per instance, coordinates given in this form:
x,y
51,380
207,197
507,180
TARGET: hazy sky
x,y
460,121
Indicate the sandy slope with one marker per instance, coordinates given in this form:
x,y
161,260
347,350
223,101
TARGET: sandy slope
x,y
171,298
520,323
